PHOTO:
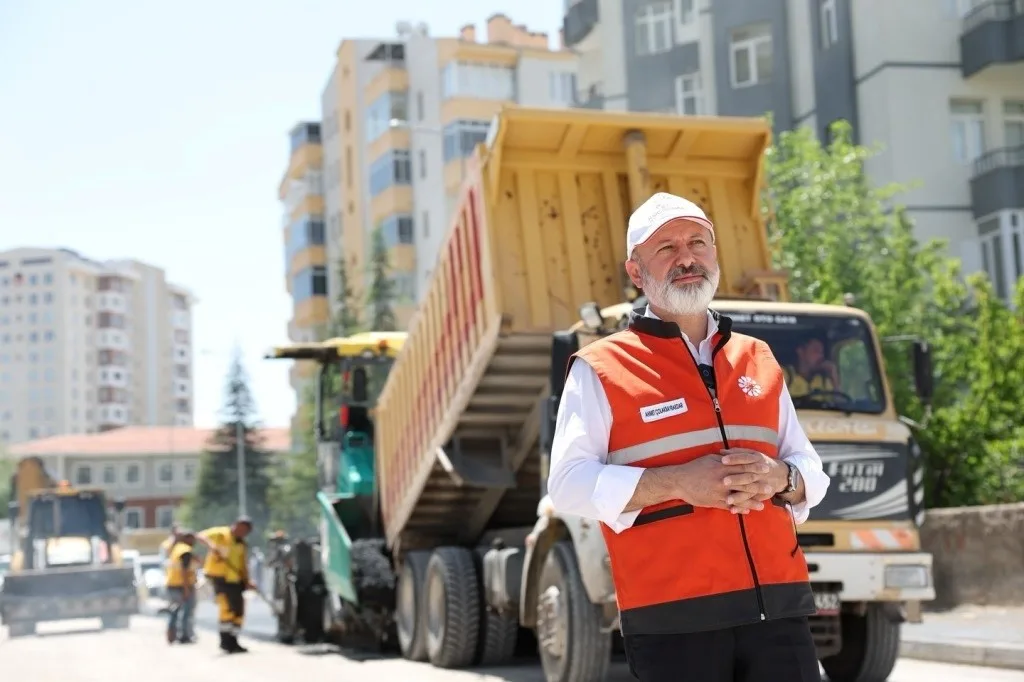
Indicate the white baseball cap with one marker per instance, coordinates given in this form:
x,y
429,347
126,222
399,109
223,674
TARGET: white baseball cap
x,y
654,213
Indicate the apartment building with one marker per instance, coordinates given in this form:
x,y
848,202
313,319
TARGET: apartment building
x,y
151,468
938,85
400,116
87,346
305,252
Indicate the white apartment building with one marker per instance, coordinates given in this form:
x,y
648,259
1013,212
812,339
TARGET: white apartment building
x,y
89,346
937,85
400,117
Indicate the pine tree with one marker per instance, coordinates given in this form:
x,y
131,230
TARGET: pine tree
x,y
346,319
215,499
381,297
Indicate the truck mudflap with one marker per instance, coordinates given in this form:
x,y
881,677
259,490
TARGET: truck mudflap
x,y
62,594
869,577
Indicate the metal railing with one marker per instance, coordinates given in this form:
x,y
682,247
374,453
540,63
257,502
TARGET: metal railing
x,y
994,10
1003,157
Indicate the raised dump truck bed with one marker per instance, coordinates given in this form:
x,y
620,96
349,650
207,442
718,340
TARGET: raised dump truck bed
x,y
539,230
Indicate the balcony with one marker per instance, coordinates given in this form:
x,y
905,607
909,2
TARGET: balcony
x,y
992,33
594,99
580,19
997,183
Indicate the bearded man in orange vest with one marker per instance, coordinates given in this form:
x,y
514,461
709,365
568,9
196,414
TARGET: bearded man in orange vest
x,y
680,437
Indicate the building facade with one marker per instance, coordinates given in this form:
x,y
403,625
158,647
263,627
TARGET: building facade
x,y
151,468
400,116
939,86
88,346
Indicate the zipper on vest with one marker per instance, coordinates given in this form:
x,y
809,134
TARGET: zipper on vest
x,y
713,393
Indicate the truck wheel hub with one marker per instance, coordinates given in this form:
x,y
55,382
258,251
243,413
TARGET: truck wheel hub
x,y
550,625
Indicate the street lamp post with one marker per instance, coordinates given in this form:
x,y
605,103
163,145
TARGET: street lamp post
x,y
240,462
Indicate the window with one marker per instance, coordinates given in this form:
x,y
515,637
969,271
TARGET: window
x,y
750,56
302,234
829,21
479,81
967,130
562,87
311,281
689,96
462,137
405,286
387,111
392,168
83,474
654,28
164,517
1013,123
1001,239
188,471
165,472
133,517
687,28
109,474
305,133
397,229
132,475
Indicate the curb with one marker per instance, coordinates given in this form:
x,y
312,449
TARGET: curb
x,y
966,652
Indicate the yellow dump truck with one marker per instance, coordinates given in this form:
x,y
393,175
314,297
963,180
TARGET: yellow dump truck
x,y
66,562
463,424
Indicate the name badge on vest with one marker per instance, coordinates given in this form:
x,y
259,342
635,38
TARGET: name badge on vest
x,y
653,413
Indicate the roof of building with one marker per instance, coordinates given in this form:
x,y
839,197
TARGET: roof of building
x,y
140,440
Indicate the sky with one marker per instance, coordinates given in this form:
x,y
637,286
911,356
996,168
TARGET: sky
x,y
159,131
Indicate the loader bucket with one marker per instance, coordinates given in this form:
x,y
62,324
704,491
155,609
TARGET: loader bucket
x,y
61,594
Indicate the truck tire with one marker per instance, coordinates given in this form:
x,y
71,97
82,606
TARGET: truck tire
x,y
411,605
572,646
453,607
871,645
499,633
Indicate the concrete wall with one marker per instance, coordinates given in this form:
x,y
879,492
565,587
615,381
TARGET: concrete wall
x,y
978,555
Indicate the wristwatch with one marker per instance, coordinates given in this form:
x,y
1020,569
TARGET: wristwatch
x,y
790,479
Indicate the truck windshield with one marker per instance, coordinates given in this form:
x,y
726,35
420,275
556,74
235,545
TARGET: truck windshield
x,y
68,516
829,360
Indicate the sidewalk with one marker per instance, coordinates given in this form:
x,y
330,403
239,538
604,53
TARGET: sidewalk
x,y
989,636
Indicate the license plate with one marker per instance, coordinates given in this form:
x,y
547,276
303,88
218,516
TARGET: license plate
x,y
827,603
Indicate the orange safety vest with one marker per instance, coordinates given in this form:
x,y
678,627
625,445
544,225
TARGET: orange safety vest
x,y
681,569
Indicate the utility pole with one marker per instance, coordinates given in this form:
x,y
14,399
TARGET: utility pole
x,y
240,456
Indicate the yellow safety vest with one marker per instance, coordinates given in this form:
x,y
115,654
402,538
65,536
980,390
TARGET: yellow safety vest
x,y
235,569
176,575
799,386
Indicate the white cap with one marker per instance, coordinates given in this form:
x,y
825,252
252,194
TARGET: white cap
x,y
658,210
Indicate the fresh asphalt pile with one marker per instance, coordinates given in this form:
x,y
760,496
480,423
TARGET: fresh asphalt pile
x,y
372,575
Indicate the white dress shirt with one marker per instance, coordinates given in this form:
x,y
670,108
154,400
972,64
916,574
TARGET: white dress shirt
x,y
582,483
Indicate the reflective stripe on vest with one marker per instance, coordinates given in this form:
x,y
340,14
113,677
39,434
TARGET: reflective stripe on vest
x,y
683,569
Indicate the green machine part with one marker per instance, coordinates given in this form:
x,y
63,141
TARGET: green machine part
x,y
336,551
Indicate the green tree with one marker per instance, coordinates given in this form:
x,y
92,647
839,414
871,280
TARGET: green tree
x,y
346,319
293,506
381,296
837,234
7,466
215,498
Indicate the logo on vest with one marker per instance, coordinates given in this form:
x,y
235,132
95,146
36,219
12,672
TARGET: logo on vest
x,y
750,387
653,413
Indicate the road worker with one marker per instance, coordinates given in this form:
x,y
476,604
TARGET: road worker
x,y
680,437
165,547
182,567
227,566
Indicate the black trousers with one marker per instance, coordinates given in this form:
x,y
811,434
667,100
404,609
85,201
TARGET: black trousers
x,y
773,651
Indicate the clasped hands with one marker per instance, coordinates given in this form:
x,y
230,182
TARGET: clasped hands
x,y
739,480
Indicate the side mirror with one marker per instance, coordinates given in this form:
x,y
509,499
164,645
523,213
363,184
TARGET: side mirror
x,y
924,379
360,394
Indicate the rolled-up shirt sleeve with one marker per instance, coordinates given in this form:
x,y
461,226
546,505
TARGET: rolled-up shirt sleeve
x,y
580,481
796,448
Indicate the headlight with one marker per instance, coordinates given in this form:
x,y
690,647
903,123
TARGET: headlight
x,y
903,577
